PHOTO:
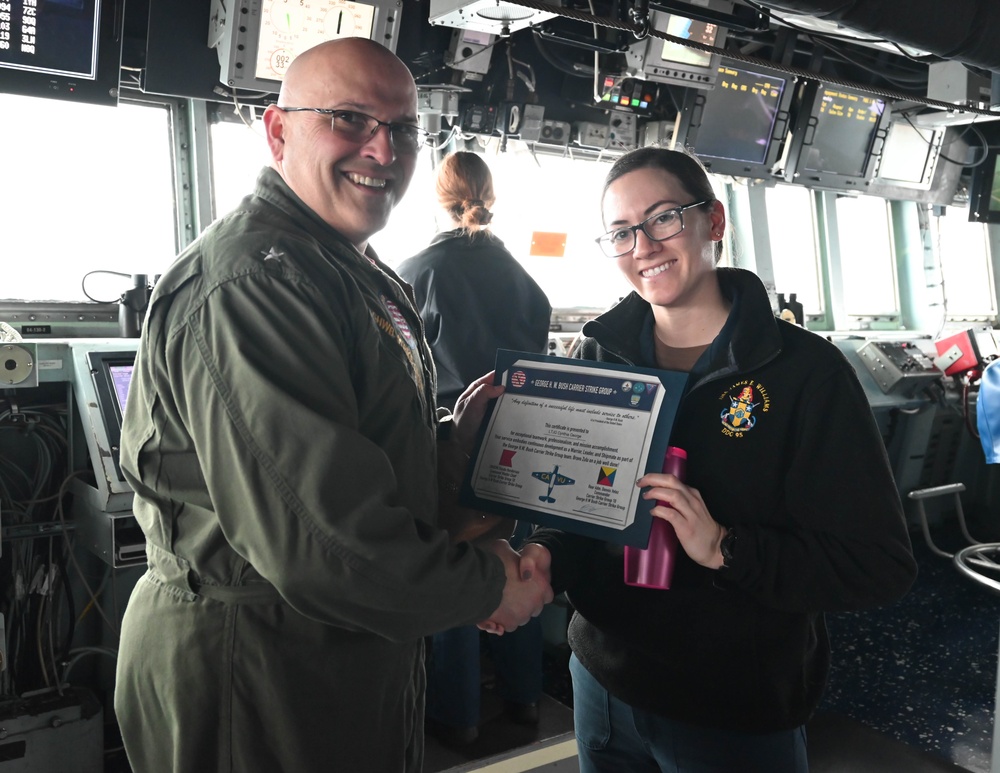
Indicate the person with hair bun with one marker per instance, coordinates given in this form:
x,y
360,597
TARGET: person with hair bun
x,y
474,298
473,295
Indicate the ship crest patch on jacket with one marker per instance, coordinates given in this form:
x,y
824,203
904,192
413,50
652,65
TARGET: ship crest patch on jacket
x,y
397,328
741,414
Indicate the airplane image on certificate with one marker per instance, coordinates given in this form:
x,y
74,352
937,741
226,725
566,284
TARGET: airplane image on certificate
x,y
553,479
566,441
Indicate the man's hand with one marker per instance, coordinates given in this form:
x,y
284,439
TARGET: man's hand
x,y
525,594
470,408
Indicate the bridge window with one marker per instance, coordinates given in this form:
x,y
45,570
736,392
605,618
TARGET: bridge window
x,y
791,224
864,248
965,266
535,193
85,188
239,152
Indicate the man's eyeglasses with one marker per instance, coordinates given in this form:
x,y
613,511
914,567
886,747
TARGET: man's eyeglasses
x,y
359,127
658,227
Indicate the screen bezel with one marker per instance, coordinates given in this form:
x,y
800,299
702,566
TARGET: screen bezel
x,y
100,89
112,414
693,118
804,135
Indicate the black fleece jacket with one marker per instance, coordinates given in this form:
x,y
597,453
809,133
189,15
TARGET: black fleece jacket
x,y
804,482
474,298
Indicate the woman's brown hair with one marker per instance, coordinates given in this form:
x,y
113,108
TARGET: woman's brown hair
x,y
465,190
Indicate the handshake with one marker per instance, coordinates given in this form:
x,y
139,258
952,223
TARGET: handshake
x,y
528,588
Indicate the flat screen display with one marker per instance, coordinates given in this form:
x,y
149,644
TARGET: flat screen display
x,y
984,191
846,122
50,36
689,29
655,59
909,155
112,374
739,116
739,127
66,49
121,377
837,139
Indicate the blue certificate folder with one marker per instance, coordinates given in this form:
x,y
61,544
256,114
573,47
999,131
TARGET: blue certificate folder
x,y
566,442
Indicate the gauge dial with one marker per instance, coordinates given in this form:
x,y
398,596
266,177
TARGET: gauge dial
x,y
346,20
289,27
286,17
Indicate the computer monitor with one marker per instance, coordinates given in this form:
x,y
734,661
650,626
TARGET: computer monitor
x,y
738,127
63,49
909,156
837,138
984,190
112,374
664,61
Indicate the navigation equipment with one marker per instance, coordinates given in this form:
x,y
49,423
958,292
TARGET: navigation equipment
x,y
738,127
984,191
63,49
837,138
112,373
663,61
257,39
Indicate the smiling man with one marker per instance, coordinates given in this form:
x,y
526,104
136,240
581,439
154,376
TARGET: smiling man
x,y
347,146
281,439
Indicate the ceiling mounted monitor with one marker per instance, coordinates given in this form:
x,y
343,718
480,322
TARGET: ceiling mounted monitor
x,y
257,39
492,16
664,61
984,190
909,156
837,139
738,128
64,49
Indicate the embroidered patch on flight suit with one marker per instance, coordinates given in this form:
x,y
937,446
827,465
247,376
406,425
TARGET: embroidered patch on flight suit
x,y
746,401
397,327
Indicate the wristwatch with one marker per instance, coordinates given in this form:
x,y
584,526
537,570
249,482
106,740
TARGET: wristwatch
x,y
726,547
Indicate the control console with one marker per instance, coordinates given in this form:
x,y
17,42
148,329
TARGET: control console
x,y
899,367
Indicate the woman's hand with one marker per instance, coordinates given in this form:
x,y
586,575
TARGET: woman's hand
x,y
683,507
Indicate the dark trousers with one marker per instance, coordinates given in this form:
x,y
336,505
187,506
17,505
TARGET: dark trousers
x,y
453,674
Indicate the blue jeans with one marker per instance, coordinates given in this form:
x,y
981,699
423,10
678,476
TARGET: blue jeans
x,y
453,682
611,737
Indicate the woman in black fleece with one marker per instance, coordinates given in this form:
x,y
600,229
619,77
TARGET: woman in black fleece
x,y
789,510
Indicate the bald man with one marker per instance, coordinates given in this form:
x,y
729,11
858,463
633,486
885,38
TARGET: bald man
x,y
281,440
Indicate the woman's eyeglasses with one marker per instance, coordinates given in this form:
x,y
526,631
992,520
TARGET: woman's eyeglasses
x,y
658,227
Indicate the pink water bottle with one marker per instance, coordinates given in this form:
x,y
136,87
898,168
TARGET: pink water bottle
x,y
654,566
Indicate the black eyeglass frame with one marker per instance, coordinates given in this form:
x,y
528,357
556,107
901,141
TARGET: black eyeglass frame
x,y
420,135
603,238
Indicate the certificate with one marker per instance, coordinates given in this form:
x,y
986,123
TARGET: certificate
x,y
565,443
